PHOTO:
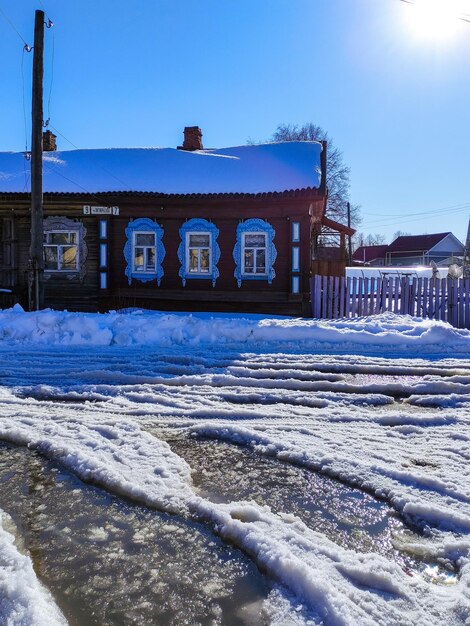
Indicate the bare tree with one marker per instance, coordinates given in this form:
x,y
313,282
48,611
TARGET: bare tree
x,y
373,239
337,173
400,233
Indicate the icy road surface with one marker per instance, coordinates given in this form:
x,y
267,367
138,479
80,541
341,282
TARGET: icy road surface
x,y
381,404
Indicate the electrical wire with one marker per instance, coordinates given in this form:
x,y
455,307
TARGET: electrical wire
x,y
119,180
52,80
98,199
393,220
24,102
26,45
434,212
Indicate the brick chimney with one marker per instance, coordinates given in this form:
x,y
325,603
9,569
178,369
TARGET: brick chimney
x,y
49,143
192,139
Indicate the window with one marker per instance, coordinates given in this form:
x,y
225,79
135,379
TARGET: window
x,y
145,254
254,252
61,251
296,231
295,259
144,250
198,251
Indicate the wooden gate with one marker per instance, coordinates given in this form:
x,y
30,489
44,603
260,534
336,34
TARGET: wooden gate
x,y
445,299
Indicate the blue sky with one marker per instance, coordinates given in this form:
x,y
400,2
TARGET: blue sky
x,y
134,74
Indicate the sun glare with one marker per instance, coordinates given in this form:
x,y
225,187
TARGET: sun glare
x,y
435,19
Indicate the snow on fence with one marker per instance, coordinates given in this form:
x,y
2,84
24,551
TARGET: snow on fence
x,y
445,299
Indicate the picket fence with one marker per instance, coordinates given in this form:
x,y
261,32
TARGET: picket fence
x,y
444,299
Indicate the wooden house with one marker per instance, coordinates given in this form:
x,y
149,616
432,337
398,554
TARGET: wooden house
x,y
442,248
169,229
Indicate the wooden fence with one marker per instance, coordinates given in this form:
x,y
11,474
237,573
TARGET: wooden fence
x,y
444,299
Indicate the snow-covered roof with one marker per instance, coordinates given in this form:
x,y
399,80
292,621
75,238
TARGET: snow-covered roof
x,y
253,169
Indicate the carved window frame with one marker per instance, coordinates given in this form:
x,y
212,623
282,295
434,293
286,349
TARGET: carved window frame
x,y
65,224
198,226
255,226
144,225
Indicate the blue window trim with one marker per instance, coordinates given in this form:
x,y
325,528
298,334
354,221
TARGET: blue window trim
x,y
144,224
199,225
255,225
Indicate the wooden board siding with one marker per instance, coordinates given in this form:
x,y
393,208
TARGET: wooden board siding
x,y
171,213
62,292
226,295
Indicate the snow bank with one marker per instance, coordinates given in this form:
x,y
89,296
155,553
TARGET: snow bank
x,y
386,332
23,600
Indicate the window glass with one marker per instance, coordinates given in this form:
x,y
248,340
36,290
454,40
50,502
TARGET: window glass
x,y
193,260
255,240
50,258
151,257
144,252
145,239
261,260
199,240
249,261
205,260
139,259
69,258
62,238
254,253
61,251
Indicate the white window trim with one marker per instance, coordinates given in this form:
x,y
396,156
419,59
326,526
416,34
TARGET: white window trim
x,y
134,246
266,253
59,256
189,274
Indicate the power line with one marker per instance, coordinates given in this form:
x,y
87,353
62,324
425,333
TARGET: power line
x,y
53,170
101,167
52,77
27,47
24,101
462,205
392,220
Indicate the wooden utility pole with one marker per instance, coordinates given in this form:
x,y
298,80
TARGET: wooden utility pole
x,y
349,236
36,281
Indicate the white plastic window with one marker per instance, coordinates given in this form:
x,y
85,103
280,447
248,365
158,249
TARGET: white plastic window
x,y
144,253
61,251
254,253
198,247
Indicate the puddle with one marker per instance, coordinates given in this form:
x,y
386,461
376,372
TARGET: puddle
x,y
223,472
112,563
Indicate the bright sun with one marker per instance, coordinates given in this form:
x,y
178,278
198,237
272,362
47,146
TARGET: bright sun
x,y
436,19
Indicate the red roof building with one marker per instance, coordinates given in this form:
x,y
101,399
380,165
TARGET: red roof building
x,y
442,248
370,255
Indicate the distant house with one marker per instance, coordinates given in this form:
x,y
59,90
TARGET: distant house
x,y
172,229
370,255
409,250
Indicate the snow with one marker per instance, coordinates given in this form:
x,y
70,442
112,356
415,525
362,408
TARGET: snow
x,y
386,332
98,392
252,169
23,600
